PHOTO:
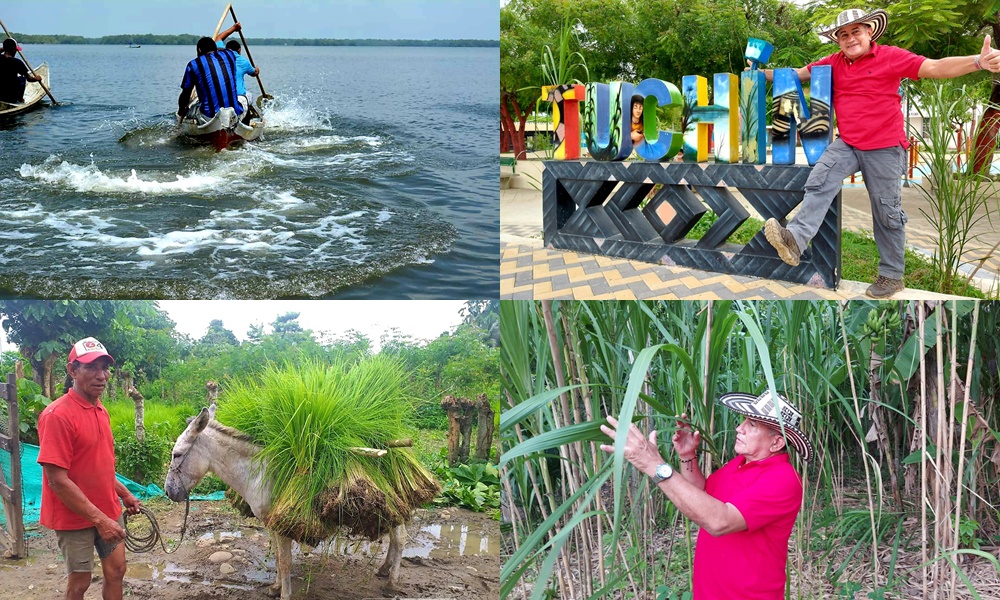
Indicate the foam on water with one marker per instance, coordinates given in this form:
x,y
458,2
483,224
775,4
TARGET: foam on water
x,y
324,142
90,178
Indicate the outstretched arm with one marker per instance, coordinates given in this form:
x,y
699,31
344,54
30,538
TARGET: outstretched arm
x,y
183,101
712,515
228,32
954,66
803,73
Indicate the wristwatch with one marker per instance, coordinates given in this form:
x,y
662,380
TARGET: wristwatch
x,y
663,472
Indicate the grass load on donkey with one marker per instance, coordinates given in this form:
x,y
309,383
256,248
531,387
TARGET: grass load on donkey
x,y
314,424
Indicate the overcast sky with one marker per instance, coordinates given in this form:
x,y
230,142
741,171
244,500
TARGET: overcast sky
x,y
420,319
343,19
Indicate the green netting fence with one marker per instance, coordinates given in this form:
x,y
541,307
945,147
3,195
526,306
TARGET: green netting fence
x,y
31,480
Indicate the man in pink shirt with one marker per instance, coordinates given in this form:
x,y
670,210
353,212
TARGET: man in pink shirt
x,y
746,509
866,79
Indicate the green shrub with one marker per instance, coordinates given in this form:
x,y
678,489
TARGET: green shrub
x,y
428,414
476,487
143,462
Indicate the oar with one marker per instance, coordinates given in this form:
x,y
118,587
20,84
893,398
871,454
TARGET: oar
x,y
41,83
263,95
222,20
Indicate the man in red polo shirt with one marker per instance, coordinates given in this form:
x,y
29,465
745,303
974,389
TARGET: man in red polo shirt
x,y
80,493
746,509
866,79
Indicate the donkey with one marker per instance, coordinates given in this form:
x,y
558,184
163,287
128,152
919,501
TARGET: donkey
x,y
207,445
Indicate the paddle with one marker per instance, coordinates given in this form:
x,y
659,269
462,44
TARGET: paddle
x,y
222,20
41,83
263,95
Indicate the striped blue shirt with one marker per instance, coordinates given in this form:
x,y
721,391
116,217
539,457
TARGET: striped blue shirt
x,y
214,75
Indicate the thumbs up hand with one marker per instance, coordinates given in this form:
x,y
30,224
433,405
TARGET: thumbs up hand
x,y
989,58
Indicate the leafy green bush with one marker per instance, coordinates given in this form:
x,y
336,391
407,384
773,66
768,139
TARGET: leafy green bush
x,y
476,487
30,403
428,414
143,462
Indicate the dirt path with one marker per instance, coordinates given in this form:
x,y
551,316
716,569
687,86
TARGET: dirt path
x,y
450,554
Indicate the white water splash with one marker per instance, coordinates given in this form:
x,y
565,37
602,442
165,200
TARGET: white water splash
x,y
90,178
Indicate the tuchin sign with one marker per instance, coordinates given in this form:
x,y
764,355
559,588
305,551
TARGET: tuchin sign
x,y
736,116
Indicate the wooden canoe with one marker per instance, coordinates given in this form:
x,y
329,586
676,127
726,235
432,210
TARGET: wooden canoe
x,y
224,129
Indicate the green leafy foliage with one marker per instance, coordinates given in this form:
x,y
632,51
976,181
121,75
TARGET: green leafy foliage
x,y
476,486
144,462
30,403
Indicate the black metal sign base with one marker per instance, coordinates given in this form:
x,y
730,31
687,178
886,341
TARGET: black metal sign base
x,y
597,208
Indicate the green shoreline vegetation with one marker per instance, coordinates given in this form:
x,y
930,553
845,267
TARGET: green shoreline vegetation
x,y
191,39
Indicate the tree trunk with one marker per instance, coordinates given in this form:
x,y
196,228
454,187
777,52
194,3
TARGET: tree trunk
x,y
484,432
140,413
459,428
465,423
509,110
48,375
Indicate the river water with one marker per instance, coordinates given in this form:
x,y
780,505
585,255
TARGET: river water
x,y
376,179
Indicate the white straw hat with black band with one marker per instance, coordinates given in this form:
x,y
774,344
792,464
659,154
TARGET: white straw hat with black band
x,y
878,20
764,408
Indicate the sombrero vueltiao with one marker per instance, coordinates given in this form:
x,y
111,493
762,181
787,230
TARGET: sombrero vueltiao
x,y
877,19
762,408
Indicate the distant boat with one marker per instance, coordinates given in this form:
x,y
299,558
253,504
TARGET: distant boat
x,y
131,45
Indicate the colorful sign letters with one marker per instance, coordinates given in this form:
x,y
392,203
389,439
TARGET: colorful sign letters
x,y
736,118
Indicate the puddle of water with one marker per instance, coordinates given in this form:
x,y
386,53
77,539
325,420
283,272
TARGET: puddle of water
x,y
163,572
430,541
450,541
14,564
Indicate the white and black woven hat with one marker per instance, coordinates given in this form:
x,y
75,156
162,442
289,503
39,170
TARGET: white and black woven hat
x,y
766,409
878,20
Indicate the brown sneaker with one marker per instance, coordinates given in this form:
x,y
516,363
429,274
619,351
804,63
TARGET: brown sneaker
x,y
782,241
884,287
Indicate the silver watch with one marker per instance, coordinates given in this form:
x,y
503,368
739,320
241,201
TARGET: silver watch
x,y
663,472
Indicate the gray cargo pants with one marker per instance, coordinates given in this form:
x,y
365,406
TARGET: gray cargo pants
x,y
881,170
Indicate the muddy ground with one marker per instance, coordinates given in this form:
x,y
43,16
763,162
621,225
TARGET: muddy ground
x,y
450,554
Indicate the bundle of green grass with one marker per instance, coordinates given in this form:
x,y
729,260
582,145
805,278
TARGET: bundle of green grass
x,y
311,421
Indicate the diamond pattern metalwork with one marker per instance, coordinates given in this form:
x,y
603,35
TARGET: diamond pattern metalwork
x,y
591,206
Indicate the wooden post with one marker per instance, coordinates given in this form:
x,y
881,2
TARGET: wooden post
x,y
140,413
212,394
459,428
465,424
13,505
484,432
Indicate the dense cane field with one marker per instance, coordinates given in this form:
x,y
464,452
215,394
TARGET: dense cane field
x,y
898,398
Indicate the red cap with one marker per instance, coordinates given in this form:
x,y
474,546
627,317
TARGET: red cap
x,y
88,350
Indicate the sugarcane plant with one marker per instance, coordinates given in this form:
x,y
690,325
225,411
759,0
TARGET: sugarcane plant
x,y
899,399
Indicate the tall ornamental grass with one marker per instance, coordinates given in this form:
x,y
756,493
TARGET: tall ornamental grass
x,y
310,420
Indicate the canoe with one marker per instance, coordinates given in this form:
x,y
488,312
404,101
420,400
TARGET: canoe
x,y
224,128
33,94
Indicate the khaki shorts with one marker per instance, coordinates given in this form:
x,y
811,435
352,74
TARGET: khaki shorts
x,y
78,547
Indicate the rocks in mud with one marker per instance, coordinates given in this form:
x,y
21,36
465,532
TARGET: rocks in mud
x,y
227,569
221,557
205,540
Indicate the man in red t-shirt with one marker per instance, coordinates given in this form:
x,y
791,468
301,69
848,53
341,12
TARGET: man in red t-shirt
x,y
80,493
746,509
866,79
